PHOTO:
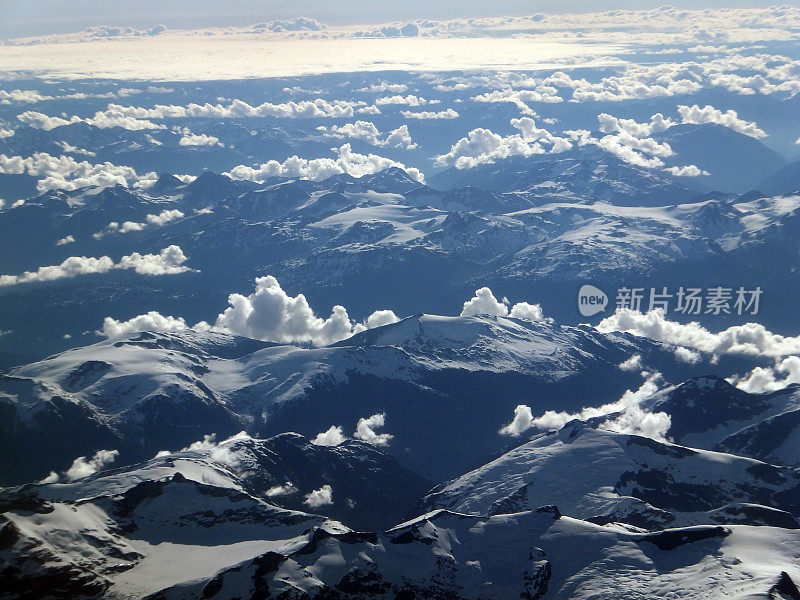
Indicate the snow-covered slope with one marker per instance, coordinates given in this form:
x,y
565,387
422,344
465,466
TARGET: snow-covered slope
x,y
378,241
437,380
704,410
611,477
184,529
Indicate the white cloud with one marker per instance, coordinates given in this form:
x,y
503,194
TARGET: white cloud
x,y
64,172
427,114
317,169
627,142
768,379
332,437
482,146
7,97
368,132
6,133
543,93
287,489
365,430
70,149
409,100
522,422
623,416
657,124
384,86
686,171
749,339
529,312
199,139
69,239
162,218
729,118
219,452
484,303
152,321
269,313
634,363
321,497
106,119
379,318
687,355
39,120
168,262
237,109
81,467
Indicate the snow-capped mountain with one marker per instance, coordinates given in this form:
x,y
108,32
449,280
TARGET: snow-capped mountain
x,y
438,381
184,527
355,241
607,477
710,413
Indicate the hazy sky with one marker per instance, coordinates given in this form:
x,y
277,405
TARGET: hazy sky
x,y
23,18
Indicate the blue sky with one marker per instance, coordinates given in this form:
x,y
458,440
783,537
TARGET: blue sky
x,y
22,18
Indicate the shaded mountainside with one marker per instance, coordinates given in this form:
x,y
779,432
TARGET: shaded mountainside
x,y
610,477
437,380
182,527
376,242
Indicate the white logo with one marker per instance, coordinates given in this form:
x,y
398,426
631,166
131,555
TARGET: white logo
x,y
591,300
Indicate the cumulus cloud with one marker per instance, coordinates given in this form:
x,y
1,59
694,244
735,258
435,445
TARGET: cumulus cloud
x,y
83,467
729,119
529,312
384,86
485,303
657,124
634,363
269,314
428,114
368,132
686,171
317,169
152,321
167,262
64,172
379,318
520,98
482,146
6,133
30,96
522,422
749,339
106,119
276,491
629,140
626,415
70,149
332,437
768,379
310,109
409,100
157,220
199,139
365,430
319,498
219,452
687,355
69,239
